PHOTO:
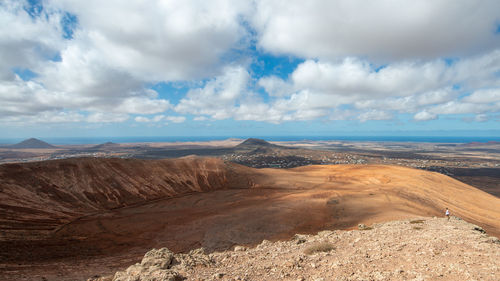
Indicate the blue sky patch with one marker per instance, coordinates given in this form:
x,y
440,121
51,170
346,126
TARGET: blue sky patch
x,y
69,22
172,91
25,73
280,66
34,8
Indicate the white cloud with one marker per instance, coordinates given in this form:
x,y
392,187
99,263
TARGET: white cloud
x,y
142,105
408,104
355,77
380,30
457,107
104,68
158,118
481,118
341,114
46,117
375,115
219,95
24,40
376,59
400,87
424,116
275,86
484,96
142,119
100,117
176,119
200,118
160,40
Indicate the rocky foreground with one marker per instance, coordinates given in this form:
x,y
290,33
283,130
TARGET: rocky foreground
x,y
418,249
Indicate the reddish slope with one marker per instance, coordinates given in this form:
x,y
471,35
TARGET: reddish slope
x,y
44,195
37,198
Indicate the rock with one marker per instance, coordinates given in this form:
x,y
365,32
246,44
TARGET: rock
x,y
138,273
240,248
264,243
193,258
96,278
299,238
492,240
161,258
362,226
478,228
156,265
391,251
218,275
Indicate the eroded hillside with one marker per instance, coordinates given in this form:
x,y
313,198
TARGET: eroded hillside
x,y
81,212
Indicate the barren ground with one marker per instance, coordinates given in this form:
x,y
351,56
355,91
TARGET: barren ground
x,y
209,204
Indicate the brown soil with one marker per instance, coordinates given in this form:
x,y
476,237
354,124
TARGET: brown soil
x,y
70,219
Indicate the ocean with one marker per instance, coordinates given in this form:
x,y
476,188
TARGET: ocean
x,y
98,140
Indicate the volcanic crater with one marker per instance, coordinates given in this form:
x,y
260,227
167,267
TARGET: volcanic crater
x,y
67,219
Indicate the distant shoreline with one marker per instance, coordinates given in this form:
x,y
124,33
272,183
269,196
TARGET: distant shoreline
x,y
416,139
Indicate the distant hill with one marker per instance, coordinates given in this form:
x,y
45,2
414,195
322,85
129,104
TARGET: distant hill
x,y
32,143
106,145
253,143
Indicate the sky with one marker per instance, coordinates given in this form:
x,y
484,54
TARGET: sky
x,y
71,68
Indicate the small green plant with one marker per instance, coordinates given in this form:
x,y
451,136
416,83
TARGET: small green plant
x,y
320,247
416,221
417,227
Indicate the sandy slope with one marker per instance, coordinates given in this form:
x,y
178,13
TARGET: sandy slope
x,y
125,207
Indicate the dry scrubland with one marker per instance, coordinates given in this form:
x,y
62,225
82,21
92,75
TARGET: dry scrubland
x,y
423,249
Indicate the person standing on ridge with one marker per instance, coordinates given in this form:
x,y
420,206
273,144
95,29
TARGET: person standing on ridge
x,y
447,213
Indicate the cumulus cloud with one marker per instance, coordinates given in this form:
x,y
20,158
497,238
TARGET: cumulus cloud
x,y
484,96
200,118
100,117
142,119
105,67
380,30
275,86
375,115
424,116
422,88
26,40
481,118
45,117
175,119
160,41
158,118
360,61
219,95
356,77
317,89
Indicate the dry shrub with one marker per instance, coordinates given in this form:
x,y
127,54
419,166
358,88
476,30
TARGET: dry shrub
x,y
416,221
417,227
364,227
319,247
